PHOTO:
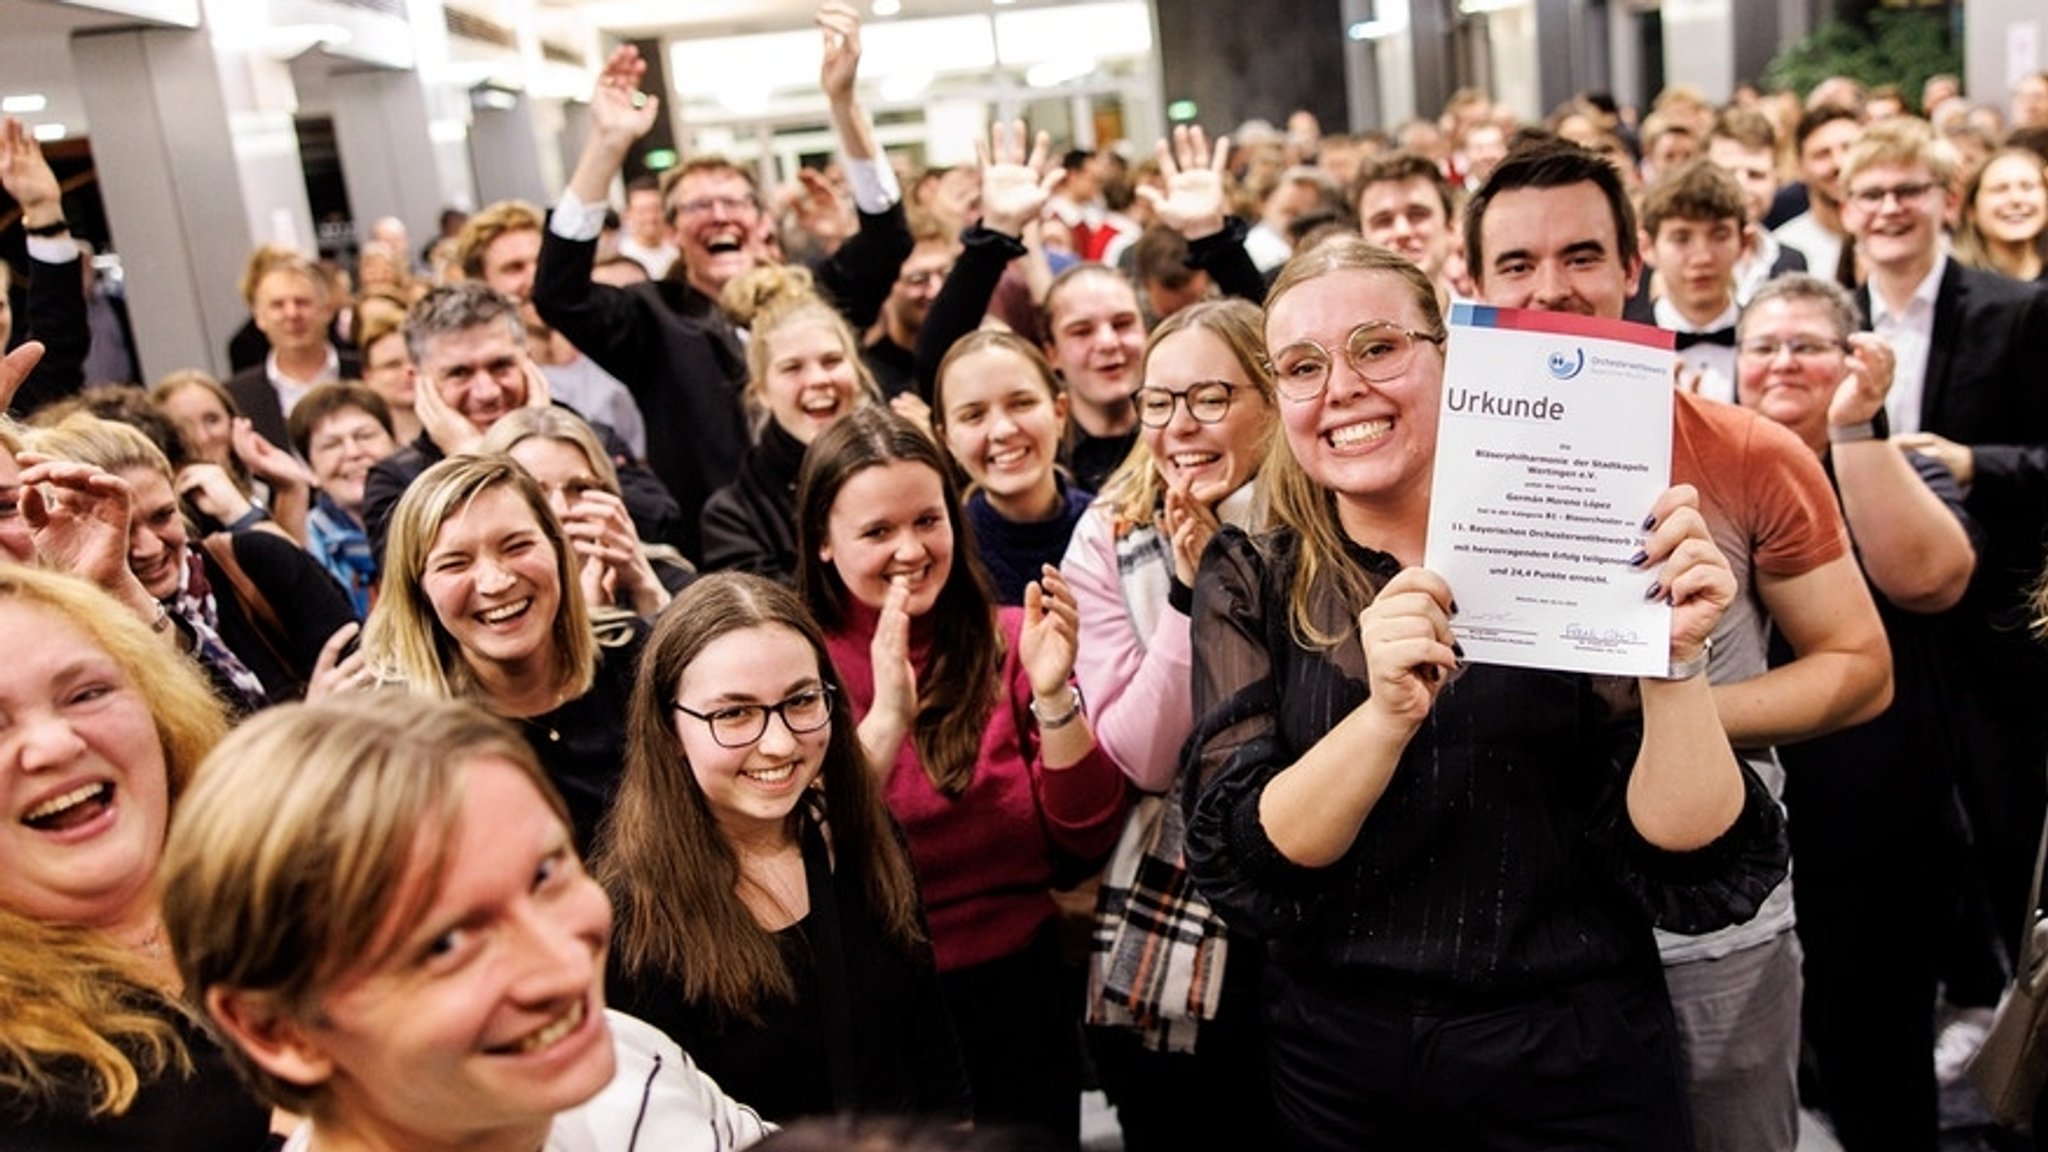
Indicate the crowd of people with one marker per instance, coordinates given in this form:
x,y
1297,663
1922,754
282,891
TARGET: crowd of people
x,y
973,624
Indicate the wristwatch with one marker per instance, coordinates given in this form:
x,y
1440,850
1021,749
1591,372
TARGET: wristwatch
x,y
1687,669
1878,427
1073,712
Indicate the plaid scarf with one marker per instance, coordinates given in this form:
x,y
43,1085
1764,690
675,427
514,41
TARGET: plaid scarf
x,y
194,604
1156,960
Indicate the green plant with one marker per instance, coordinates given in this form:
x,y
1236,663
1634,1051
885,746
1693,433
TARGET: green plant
x,y
1890,46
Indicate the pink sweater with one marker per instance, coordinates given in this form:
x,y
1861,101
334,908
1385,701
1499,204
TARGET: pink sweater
x,y
985,857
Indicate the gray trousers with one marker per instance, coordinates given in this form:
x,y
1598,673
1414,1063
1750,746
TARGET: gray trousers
x,y
1738,1032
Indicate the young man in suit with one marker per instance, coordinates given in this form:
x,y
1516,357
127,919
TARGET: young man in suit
x,y
1967,391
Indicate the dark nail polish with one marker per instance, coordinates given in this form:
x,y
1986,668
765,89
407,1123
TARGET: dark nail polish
x,y
1457,650
1649,521
1639,559
1454,605
1656,590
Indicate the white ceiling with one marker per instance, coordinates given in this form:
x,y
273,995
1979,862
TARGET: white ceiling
x,y
35,52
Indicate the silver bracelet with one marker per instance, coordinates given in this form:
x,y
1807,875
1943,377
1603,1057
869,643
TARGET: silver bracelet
x,y
1073,712
1687,669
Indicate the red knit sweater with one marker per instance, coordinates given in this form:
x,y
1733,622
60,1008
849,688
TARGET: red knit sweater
x,y
985,858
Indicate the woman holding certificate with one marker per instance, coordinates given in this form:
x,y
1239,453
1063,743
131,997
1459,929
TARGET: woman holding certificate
x,y
1455,869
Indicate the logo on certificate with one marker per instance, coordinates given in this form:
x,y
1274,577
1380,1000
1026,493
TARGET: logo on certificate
x,y
1565,367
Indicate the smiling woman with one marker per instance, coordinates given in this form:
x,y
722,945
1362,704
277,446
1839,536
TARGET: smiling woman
x,y
1003,414
793,963
804,371
402,944
101,727
980,744
479,601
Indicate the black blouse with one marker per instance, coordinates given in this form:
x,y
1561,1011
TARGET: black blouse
x,y
210,1108
1499,858
868,1031
582,744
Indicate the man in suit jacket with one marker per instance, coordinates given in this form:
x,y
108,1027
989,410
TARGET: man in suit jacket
x,y
1971,346
667,341
288,297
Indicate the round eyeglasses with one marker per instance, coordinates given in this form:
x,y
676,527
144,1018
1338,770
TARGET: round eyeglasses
x,y
739,725
1378,350
1208,402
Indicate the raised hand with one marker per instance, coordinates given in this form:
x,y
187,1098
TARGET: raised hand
x,y
620,112
889,651
1690,571
213,491
450,431
821,211
1189,525
1015,185
1195,201
26,175
14,370
840,23
78,515
339,668
1051,634
602,534
1860,396
1410,653
266,461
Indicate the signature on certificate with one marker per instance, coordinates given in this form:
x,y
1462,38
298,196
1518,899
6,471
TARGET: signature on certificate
x,y
1600,637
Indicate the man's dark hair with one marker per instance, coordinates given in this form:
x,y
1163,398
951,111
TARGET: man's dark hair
x,y
1815,119
1399,167
1559,164
1076,159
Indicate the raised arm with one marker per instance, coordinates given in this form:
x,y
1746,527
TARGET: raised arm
x,y
55,312
1686,787
1196,204
858,276
1014,188
1912,547
1314,808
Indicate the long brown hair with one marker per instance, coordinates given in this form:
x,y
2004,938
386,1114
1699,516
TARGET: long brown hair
x,y
955,694
671,872
1300,503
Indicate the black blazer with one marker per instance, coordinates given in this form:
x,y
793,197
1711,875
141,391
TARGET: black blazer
x,y
258,400
1984,387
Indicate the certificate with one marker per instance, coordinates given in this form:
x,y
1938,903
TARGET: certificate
x,y
1553,442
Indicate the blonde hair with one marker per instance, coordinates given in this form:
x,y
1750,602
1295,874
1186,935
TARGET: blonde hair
x,y
1905,141
551,423
766,299
404,639
280,882
1325,570
84,438
1133,492
76,1003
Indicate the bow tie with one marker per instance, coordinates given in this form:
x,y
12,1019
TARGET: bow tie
x,y
1725,337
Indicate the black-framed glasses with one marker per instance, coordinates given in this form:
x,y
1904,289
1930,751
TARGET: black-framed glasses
x,y
1378,350
739,725
1801,348
1872,199
1208,402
